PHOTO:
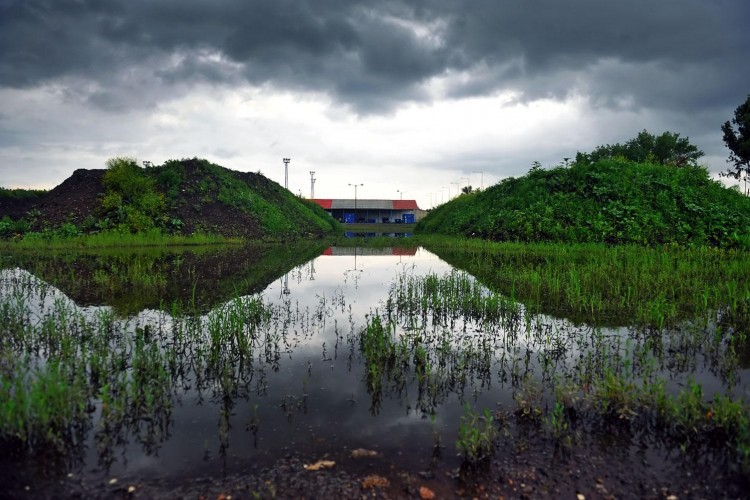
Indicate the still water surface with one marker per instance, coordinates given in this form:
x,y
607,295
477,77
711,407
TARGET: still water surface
x,y
307,387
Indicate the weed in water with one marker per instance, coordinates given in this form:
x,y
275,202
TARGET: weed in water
x,y
476,435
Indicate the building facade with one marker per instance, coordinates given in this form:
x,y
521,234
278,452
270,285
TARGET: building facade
x,y
371,211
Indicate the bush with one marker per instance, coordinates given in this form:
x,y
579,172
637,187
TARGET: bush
x,y
131,201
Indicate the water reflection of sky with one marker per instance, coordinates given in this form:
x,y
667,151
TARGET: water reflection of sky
x,y
315,401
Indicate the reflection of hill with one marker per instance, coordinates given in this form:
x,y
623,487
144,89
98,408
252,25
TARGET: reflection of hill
x,y
196,278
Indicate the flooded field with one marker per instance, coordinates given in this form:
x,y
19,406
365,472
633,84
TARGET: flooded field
x,y
161,368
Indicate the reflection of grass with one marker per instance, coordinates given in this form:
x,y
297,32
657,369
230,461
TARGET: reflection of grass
x,y
133,280
608,285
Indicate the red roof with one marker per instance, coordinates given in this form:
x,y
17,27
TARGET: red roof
x,y
404,251
405,205
324,203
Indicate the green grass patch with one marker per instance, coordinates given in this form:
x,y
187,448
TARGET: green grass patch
x,y
69,239
613,201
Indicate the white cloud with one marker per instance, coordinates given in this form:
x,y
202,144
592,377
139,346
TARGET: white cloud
x,y
419,149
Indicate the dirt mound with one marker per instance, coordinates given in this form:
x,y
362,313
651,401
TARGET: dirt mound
x,y
195,200
76,199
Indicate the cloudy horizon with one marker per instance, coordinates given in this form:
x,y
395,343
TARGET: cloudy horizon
x,y
412,99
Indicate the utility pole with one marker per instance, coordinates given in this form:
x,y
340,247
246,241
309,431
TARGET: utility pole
x,y
312,184
482,178
355,201
286,172
400,193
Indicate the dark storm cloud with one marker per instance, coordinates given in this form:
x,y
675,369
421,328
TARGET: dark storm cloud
x,y
374,55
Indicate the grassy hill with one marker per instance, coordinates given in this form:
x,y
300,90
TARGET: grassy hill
x,y
611,201
179,197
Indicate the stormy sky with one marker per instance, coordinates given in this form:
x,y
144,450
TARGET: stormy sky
x,y
410,98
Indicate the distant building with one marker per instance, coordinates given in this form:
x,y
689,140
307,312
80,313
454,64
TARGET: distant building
x,y
372,211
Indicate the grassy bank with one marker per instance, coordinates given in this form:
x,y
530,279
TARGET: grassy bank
x,y
112,239
611,201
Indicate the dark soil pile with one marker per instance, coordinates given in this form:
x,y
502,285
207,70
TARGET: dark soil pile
x,y
72,201
193,202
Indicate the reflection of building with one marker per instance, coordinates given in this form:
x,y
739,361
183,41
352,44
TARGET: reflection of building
x,y
372,211
370,251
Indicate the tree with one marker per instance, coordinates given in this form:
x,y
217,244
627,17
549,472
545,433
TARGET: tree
x,y
666,149
738,142
467,190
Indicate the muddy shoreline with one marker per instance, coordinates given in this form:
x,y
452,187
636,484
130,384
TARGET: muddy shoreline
x,y
526,463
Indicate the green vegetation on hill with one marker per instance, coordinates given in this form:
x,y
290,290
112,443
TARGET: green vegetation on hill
x,y
611,201
277,210
665,149
181,197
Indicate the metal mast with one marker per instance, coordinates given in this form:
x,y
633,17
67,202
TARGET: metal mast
x,y
286,172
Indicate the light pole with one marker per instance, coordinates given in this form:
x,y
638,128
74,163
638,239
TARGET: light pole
x,y
441,193
286,172
482,178
312,184
449,193
355,199
401,193
467,183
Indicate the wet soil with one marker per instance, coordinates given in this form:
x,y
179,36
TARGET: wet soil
x,y
527,463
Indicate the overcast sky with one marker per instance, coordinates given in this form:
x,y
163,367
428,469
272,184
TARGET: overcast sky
x,y
412,96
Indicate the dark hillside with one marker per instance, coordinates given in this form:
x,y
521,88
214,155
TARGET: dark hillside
x,y
205,196
611,201
76,199
181,196
16,202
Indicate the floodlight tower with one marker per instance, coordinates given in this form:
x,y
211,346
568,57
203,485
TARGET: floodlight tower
x,y
481,185
312,184
355,200
286,172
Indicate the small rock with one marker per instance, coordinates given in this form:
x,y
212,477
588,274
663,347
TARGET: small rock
x,y
426,493
375,481
580,496
113,480
320,464
361,453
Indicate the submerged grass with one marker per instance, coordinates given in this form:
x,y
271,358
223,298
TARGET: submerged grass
x,y
607,285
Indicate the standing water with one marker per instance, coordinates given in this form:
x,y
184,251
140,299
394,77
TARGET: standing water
x,y
380,352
